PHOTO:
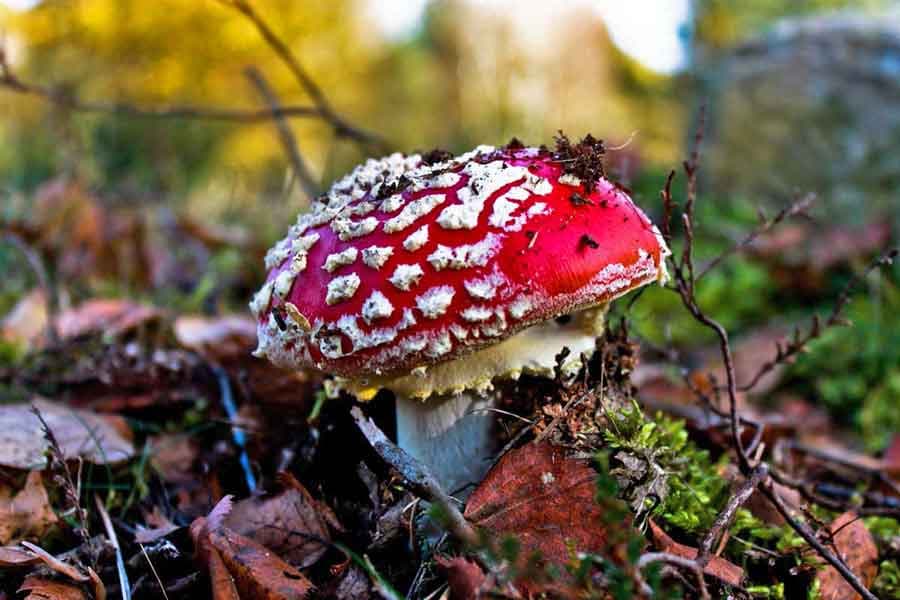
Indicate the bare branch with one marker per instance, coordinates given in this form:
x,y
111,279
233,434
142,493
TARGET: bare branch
x,y
786,351
804,531
284,133
11,82
796,208
342,128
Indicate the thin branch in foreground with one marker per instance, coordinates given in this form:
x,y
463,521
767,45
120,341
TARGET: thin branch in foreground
x,y
301,171
417,477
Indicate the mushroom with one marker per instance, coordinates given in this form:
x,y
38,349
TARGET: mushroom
x,y
434,277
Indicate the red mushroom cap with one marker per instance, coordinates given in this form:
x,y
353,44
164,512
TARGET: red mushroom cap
x,y
407,264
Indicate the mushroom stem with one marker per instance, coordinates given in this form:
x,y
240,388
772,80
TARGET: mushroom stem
x,y
452,435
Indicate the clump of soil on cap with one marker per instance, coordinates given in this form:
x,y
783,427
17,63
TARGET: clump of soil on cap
x,y
584,159
435,156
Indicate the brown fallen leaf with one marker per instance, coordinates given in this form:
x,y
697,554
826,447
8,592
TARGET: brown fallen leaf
x,y
227,335
39,588
81,433
26,514
12,557
173,455
464,577
241,568
288,523
544,499
855,545
717,566
112,317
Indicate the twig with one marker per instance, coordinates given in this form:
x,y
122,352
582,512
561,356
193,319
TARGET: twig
x,y
796,208
723,521
685,281
284,132
341,127
810,538
417,477
786,351
124,584
44,280
12,83
673,559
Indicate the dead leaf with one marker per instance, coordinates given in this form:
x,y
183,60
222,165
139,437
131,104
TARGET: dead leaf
x,y
241,568
717,566
288,523
258,573
12,557
544,499
27,514
27,320
227,335
173,457
158,526
464,577
39,588
112,317
93,437
855,545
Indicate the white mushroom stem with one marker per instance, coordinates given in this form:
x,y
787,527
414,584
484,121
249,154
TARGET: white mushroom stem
x,y
443,412
452,436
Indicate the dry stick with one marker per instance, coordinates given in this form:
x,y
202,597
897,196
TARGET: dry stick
x,y
725,518
797,208
341,127
680,561
124,584
810,538
417,477
284,133
685,280
44,280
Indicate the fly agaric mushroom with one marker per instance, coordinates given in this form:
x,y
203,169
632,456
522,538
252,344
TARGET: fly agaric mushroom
x,y
434,276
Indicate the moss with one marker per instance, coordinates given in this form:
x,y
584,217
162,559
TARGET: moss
x,y
887,583
694,488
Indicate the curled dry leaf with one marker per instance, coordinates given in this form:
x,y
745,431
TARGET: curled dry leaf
x,y
241,568
544,499
288,523
81,433
854,544
717,566
38,588
26,514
